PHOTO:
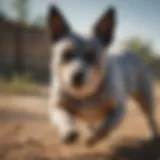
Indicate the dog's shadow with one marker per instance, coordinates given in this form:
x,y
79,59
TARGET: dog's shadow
x,y
130,149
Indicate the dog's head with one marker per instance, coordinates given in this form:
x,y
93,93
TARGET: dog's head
x,y
78,62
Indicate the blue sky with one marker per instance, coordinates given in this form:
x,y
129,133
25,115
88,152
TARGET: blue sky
x,y
135,17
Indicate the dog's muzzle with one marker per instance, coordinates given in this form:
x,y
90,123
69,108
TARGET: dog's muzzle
x,y
78,79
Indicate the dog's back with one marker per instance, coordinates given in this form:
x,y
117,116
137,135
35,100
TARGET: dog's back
x,y
128,72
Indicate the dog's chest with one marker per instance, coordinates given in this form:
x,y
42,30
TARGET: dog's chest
x,y
91,111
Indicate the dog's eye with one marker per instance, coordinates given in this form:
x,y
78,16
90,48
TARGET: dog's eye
x,y
68,56
90,57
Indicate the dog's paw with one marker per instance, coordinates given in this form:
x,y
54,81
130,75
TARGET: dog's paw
x,y
71,138
155,138
95,139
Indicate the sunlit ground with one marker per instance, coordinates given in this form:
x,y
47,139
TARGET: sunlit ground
x,y
26,133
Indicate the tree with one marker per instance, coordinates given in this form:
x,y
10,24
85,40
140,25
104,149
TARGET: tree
x,y
21,9
39,21
145,51
2,13
140,47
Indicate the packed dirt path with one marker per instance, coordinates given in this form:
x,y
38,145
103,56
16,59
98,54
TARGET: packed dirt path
x,y
27,134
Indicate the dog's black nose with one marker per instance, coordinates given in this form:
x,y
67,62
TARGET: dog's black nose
x,y
71,138
78,79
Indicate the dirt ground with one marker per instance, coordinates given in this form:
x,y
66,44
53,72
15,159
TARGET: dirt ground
x,y
26,134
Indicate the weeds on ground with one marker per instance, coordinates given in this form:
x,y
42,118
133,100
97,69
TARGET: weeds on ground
x,y
18,84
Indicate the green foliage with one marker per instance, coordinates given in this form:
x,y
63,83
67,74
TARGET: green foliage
x,y
39,21
18,84
21,8
2,12
25,78
140,47
146,52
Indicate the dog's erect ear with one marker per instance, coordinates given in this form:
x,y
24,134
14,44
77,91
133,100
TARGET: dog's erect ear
x,y
57,24
104,28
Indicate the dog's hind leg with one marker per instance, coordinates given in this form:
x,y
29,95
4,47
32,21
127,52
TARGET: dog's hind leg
x,y
145,99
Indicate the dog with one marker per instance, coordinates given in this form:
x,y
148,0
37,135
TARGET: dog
x,y
92,85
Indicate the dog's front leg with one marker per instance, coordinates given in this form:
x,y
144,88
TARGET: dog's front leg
x,y
65,124
60,117
113,118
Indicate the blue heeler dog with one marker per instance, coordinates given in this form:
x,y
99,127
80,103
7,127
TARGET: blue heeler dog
x,y
90,84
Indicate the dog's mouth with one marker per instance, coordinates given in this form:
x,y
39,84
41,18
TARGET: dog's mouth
x,y
82,90
82,85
